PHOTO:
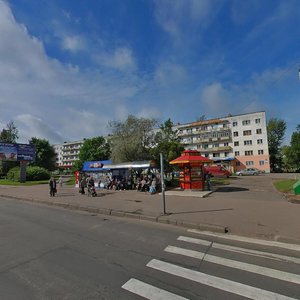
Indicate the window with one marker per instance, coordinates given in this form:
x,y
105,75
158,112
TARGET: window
x,y
261,162
247,143
235,133
258,131
225,144
216,145
249,152
260,141
249,163
226,154
247,132
246,122
215,154
236,144
260,152
237,153
206,155
238,163
257,121
234,124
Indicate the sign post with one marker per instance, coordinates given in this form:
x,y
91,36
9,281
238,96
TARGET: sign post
x,y
22,153
162,182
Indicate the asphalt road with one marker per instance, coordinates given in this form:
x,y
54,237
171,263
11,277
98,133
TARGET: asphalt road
x,y
52,253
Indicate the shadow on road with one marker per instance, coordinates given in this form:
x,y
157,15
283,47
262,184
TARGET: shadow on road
x,y
230,189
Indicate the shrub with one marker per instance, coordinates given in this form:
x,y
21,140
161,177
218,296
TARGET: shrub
x,y
14,174
36,173
32,174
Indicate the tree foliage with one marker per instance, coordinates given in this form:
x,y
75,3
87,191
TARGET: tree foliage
x,y
96,148
167,143
132,139
276,131
291,154
45,154
9,134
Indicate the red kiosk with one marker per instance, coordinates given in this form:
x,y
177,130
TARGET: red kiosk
x,y
192,171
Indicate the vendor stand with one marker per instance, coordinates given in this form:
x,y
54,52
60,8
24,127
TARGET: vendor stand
x,y
192,172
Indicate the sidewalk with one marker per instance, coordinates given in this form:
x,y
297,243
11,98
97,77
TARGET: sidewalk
x,y
249,206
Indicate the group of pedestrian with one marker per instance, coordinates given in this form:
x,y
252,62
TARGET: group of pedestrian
x,y
147,184
89,183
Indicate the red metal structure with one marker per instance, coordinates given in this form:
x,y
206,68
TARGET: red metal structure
x,y
192,170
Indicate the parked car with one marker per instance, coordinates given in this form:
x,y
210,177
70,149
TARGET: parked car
x,y
249,171
218,171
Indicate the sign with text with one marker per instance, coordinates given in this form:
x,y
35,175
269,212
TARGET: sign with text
x,y
17,152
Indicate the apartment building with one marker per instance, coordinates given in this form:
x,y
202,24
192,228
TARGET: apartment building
x,y
237,142
67,153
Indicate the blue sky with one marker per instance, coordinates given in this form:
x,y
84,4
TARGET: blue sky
x,y
68,67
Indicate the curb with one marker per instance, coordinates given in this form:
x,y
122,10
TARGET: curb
x,y
119,213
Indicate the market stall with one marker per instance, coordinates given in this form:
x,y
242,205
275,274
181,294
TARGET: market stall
x,y
192,172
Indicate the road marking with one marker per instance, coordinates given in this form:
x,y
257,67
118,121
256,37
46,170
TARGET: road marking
x,y
216,282
289,277
248,240
149,291
257,253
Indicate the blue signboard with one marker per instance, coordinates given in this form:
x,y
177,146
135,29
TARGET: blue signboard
x,y
17,152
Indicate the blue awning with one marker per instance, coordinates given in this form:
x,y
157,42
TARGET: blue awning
x,y
101,165
223,158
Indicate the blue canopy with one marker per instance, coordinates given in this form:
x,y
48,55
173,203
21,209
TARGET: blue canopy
x,y
101,165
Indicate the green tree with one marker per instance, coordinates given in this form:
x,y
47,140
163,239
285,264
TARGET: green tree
x,y
287,158
45,154
294,153
96,148
9,134
167,142
132,139
276,131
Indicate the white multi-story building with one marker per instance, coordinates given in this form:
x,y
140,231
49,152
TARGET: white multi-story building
x,y
237,141
67,153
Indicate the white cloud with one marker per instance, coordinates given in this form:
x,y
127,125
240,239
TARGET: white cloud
x,y
73,43
121,59
52,100
31,126
169,73
174,15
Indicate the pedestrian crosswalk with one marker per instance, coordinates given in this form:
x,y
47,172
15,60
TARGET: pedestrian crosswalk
x,y
275,268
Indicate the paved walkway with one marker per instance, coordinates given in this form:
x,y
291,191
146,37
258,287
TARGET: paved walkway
x,y
249,206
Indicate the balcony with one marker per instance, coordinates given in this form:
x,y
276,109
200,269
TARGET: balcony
x,y
217,149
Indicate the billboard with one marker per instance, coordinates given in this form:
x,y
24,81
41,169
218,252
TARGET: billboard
x,y
17,152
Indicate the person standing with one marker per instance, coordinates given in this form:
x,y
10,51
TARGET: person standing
x,y
207,178
52,185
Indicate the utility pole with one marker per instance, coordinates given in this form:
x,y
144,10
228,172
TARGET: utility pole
x,y
162,178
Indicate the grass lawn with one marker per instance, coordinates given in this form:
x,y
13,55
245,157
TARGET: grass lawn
x,y
285,186
27,183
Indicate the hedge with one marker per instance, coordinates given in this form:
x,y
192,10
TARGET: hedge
x,y
32,174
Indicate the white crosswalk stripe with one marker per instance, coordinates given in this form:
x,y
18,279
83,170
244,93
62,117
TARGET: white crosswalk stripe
x,y
240,250
149,291
248,240
286,280
216,282
294,278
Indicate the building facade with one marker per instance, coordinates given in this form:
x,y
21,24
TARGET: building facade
x,y
67,153
237,142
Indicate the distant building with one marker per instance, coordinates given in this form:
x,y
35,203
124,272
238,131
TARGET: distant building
x,y
237,142
67,153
